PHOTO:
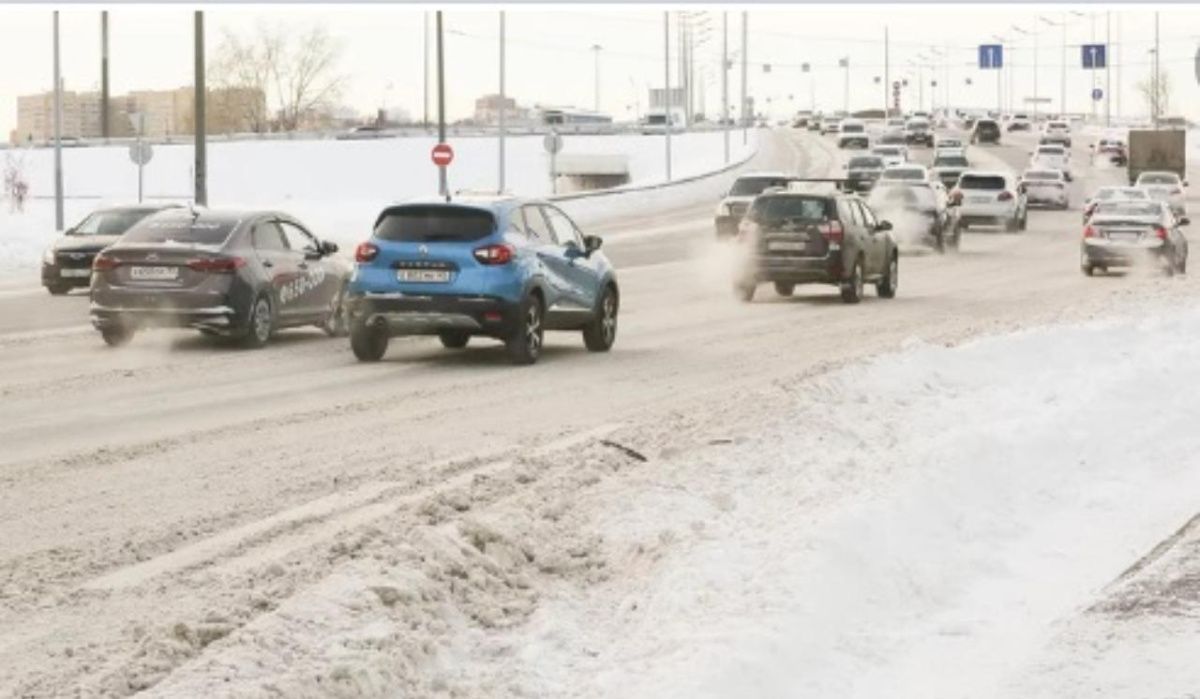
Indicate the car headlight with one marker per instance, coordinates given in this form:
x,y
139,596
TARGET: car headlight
x,y
48,256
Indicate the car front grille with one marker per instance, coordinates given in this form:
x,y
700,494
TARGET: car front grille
x,y
74,259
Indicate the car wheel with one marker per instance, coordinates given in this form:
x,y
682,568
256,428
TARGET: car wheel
x,y
116,335
337,323
886,287
525,343
454,339
600,334
852,288
57,289
784,289
1182,266
369,341
745,291
1085,264
260,324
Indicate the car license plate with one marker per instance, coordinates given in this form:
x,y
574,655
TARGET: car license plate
x,y
74,273
153,274
423,276
979,200
786,246
1124,237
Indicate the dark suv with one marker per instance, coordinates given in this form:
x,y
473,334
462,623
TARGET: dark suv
x,y
985,131
796,237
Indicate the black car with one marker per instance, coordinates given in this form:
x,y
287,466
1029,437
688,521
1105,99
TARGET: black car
x,y
799,237
985,131
948,167
1128,233
918,132
918,212
862,171
67,263
240,274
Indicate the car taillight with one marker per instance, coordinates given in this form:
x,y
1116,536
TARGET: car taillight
x,y
1160,232
216,265
1090,232
365,252
832,231
494,254
1005,196
103,263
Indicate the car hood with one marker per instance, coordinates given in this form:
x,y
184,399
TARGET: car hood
x,y
739,199
84,243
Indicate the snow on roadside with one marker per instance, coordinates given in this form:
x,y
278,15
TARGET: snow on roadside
x,y
910,527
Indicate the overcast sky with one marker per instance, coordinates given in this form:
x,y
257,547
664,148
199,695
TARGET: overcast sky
x,y
550,60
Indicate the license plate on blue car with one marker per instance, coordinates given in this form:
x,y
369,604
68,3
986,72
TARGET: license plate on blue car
x,y
423,276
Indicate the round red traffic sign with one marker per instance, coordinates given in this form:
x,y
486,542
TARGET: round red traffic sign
x,y
442,154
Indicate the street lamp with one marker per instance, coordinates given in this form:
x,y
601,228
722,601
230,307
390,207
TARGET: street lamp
x,y
596,48
1034,34
1000,75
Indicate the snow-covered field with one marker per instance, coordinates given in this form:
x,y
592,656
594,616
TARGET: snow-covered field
x,y
913,527
337,187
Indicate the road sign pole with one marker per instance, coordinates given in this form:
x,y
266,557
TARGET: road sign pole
x,y
443,185
503,106
58,174
200,173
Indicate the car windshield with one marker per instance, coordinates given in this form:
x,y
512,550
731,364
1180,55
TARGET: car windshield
x,y
853,128
434,223
1054,152
891,197
887,151
865,161
753,186
183,228
109,222
917,125
790,207
1129,208
1124,193
950,161
994,182
1158,179
1042,175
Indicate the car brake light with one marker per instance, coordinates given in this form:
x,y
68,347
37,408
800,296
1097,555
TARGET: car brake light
x,y
1160,232
216,265
103,263
1005,196
832,231
365,252
494,254
1090,232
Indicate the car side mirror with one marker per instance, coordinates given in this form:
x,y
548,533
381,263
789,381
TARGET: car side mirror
x,y
592,243
883,226
1184,221
328,247
313,253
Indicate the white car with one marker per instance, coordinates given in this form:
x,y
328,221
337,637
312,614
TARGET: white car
x,y
891,155
911,172
1020,122
1165,186
989,198
1048,187
1057,132
737,200
1051,157
1112,194
853,134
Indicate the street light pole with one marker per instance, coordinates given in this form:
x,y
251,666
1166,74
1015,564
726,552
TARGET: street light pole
x,y
58,175
887,74
200,171
596,51
443,185
503,106
725,80
104,73
745,51
1157,76
425,73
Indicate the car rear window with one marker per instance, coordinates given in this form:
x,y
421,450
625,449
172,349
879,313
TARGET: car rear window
x,y
434,223
981,182
751,186
853,128
886,197
905,173
950,161
865,161
778,208
1159,179
1104,194
109,222
1041,175
1129,208
986,126
185,228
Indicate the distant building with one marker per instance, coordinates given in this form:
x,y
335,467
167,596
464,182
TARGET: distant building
x,y
487,110
80,115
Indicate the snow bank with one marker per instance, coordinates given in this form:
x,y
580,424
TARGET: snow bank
x,y
337,187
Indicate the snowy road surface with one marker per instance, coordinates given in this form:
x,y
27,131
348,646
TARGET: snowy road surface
x,y
833,499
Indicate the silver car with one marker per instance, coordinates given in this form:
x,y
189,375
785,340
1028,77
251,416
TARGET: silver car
x,y
1165,186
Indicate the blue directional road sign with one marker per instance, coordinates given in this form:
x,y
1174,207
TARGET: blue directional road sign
x,y
1097,94
1094,56
991,56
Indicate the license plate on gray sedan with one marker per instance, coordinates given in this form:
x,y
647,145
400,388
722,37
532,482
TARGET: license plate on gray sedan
x,y
423,276
786,246
153,274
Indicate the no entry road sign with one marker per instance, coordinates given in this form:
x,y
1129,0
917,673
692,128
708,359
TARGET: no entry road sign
x,y
442,154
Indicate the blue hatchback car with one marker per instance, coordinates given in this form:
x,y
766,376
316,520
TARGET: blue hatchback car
x,y
499,267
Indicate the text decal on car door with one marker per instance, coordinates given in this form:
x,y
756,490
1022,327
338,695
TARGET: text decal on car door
x,y
301,285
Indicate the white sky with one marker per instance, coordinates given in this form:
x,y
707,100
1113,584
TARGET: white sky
x,y
550,60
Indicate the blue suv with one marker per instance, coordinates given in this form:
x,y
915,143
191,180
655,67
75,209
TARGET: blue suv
x,y
498,267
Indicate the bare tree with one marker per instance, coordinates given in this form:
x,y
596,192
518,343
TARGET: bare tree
x,y
296,72
1158,100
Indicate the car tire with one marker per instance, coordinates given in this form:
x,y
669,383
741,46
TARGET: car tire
x,y
600,334
58,289
744,291
524,344
886,287
1023,224
337,323
784,289
116,335
1182,266
260,324
852,288
454,339
369,341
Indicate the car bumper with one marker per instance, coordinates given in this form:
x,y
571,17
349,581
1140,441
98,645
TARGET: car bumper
x,y
405,314
1048,198
76,277
176,309
796,270
1108,254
